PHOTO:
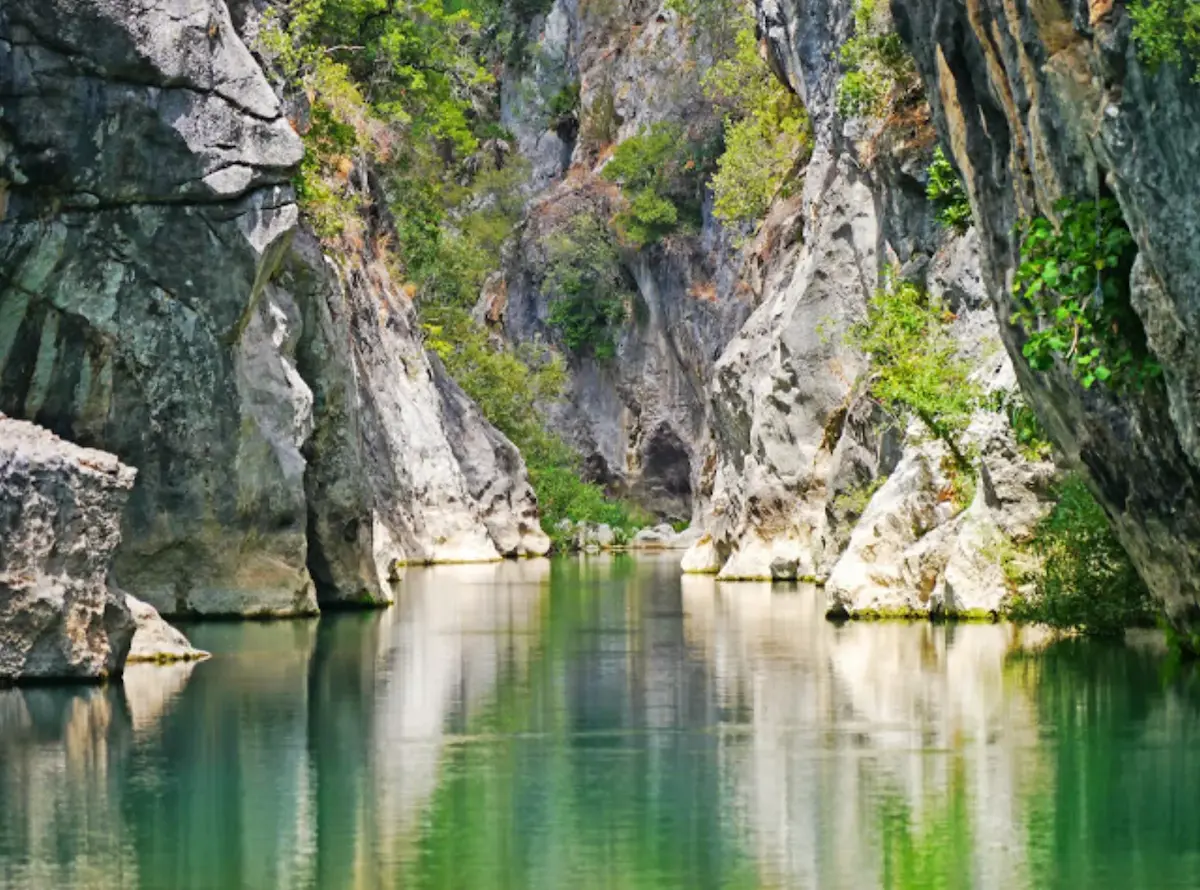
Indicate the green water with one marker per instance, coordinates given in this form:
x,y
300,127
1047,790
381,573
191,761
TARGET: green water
x,y
603,724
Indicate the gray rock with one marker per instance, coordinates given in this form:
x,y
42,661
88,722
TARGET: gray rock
x,y
146,164
402,466
156,641
594,537
284,429
913,554
1069,110
60,509
784,569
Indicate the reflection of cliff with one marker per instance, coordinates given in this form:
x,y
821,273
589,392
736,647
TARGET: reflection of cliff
x,y
862,737
300,755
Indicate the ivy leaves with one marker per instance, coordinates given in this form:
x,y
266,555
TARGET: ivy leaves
x,y
1072,290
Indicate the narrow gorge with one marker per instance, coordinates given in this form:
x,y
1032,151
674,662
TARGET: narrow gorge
x,y
351,290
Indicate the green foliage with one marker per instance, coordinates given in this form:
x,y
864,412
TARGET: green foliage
x,y
590,297
1072,290
563,106
853,501
766,133
1167,32
1086,581
1032,439
393,82
915,366
879,72
600,124
945,191
661,173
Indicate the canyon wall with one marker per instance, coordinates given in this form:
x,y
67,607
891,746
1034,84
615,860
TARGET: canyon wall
x,y
280,436
1042,101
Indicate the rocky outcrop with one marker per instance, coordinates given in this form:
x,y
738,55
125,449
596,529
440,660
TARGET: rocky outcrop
x,y
156,641
916,550
790,429
402,467
145,209
60,514
145,162
1039,101
639,419
810,477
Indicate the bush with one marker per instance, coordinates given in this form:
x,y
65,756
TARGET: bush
x,y
1086,581
879,72
1072,290
661,173
915,367
1032,439
945,191
766,133
1167,32
589,297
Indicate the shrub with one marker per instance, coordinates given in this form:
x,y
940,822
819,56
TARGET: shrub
x,y
589,295
915,367
879,72
1072,290
1086,581
945,191
766,133
1167,32
1032,439
713,24
661,173
600,123
563,107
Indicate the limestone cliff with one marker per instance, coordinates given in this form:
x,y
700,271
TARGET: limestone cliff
x,y
1039,101
280,435
796,438
639,418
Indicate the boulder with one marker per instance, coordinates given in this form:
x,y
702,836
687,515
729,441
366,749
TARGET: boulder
x,y
156,641
60,521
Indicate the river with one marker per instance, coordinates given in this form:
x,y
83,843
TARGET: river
x,y
591,723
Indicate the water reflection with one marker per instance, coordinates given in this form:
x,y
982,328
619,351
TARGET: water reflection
x,y
600,724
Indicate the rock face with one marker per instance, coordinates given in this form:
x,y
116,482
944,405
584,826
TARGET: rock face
x,y
789,427
144,212
639,419
60,514
810,478
1039,101
145,161
402,466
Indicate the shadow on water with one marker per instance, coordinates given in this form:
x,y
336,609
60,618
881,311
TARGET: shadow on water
x,y
601,723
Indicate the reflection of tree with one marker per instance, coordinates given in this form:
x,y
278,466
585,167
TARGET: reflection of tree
x,y
596,768
935,852
1122,809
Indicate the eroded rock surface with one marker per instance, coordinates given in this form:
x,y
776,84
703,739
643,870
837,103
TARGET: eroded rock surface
x,y
1038,101
639,419
60,515
280,435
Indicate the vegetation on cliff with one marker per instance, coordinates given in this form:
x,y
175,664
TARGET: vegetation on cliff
x,y
1072,288
399,114
1083,580
915,367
